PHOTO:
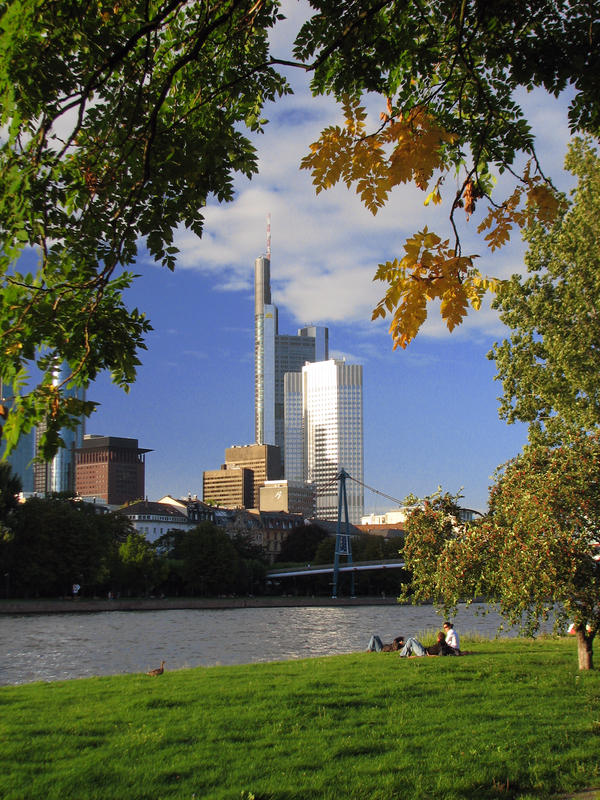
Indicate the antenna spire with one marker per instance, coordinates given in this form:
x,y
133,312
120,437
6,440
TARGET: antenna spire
x,y
269,235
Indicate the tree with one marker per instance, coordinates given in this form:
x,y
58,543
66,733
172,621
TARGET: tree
x,y
205,559
535,555
429,527
10,486
55,542
140,568
301,544
550,365
119,120
447,71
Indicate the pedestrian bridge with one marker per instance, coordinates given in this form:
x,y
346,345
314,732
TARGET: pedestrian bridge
x,y
322,569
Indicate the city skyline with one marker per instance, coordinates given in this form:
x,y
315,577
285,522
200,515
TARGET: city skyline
x,y
276,354
430,412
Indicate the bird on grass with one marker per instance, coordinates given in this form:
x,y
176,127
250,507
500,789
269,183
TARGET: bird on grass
x,y
158,670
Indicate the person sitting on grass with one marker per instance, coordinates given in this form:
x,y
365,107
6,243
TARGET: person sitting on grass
x,y
377,646
452,639
414,648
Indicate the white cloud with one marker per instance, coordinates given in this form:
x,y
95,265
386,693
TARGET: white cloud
x,y
326,248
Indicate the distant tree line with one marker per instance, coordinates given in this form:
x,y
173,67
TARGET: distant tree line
x,y
48,545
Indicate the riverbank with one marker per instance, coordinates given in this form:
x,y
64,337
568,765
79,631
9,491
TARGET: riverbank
x,y
336,728
81,605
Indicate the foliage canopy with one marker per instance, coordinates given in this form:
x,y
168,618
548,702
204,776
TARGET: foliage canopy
x,y
550,365
536,554
118,121
448,72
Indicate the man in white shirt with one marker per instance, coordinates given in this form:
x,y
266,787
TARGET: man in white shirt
x,y
452,639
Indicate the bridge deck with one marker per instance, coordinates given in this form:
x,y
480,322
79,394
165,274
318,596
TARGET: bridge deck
x,y
322,569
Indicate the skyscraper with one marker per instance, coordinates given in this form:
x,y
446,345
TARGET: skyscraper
x,y
238,483
276,354
58,475
21,458
328,432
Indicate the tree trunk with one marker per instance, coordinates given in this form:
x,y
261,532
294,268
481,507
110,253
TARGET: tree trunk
x,y
584,647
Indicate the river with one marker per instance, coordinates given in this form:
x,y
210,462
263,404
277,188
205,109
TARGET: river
x,y
51,647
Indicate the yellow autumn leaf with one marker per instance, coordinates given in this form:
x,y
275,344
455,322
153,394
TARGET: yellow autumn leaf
x,y
454,306
544,201
433,197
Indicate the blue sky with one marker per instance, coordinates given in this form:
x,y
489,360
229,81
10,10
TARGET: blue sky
x,y
430,412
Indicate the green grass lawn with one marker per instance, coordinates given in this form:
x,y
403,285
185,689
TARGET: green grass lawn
x,y
514,719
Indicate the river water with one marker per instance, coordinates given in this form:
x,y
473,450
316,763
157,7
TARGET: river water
x,y
50,647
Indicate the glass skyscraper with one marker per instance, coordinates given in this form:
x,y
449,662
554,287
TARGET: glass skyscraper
x,y
275,355
21,458
324,433
58,475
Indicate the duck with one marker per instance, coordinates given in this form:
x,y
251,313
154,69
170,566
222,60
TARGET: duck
x,y
158,670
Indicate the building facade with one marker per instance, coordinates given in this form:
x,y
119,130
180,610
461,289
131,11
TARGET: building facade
x,y
330,434
110,469
196,510
264,460
228,487
275,527
153,520
58,475
275,355
238,483
289,496
293,426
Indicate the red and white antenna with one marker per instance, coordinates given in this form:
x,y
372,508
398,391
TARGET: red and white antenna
x,y
269,235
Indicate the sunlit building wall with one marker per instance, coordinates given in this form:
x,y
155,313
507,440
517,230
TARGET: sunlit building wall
x,y
332,431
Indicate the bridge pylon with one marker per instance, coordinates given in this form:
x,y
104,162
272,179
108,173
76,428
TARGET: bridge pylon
x,y
343,543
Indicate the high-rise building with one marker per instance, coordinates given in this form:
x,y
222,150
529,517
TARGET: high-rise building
x,y
58,475
238,483
228,487
294,437
263,459
329,433
275,355
110,469
21,458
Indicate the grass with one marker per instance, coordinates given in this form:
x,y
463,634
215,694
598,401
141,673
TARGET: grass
x,y
513,720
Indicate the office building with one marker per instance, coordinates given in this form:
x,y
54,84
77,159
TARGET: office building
x,y
275,355
21,458
329,433
153,520
293,426
110,470
58,475
264,460
228,487
290,496
238,483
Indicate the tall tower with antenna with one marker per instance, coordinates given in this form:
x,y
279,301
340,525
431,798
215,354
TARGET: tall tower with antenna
x,y
269,236
275,354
